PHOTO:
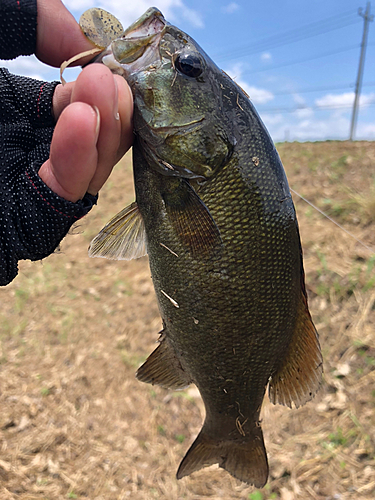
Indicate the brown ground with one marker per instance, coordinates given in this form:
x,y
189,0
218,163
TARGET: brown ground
x,y
75,423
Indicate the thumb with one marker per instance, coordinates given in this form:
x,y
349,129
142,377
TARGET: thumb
x,y
59,36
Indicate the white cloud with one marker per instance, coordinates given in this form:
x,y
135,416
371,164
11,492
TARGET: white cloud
x,y
344,100
366,131
304,113
299,100
309,129
27,66
192,16
79,4
273,120
230,8
128,12
266,56
256,94
308,125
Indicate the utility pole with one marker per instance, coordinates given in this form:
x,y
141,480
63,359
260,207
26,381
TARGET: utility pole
x,y
367,18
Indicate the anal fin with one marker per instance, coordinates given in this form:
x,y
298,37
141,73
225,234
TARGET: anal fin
x,y
299,377
163,368
245,458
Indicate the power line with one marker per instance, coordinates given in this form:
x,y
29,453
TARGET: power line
x,y
307,31
286,35
322,89
305,59
299,108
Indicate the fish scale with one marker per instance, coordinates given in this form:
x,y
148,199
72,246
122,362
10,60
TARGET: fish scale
x,y
214,210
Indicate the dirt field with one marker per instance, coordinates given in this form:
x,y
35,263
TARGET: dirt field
x,y
75,423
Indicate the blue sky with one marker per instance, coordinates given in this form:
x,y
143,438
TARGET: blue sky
x,y
296,59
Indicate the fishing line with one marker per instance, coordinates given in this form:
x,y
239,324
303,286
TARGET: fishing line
x,y
333,221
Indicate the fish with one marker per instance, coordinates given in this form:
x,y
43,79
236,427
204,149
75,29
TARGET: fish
x,y
214,213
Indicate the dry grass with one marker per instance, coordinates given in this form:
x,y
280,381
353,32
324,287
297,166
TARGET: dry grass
x,y
76,424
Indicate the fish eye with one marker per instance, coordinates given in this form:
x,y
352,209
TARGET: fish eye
x,y
189,64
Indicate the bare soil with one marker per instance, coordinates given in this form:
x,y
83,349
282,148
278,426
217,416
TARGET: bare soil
x,y
74,421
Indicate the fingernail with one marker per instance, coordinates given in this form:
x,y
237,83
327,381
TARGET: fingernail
x,y
117,114
97,128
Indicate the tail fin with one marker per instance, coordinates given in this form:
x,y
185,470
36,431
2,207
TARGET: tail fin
x,y
243,458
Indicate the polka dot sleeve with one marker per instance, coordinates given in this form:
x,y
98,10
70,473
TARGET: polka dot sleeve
x,y
18,21
33,219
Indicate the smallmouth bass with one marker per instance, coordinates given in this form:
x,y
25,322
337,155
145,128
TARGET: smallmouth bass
x,y
214,213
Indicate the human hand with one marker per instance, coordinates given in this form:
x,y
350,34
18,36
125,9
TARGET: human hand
x,y
86,143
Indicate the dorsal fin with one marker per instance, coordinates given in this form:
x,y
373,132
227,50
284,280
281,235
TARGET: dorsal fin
x,y
123,238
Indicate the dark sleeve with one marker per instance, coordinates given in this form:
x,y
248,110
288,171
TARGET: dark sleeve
x,y
33,219
18,21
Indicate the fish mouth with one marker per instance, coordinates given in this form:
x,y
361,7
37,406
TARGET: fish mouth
x,y
150,23
138,48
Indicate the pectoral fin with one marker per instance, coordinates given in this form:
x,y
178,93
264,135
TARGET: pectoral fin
x,y
123,238
191,219
299,377
163,368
